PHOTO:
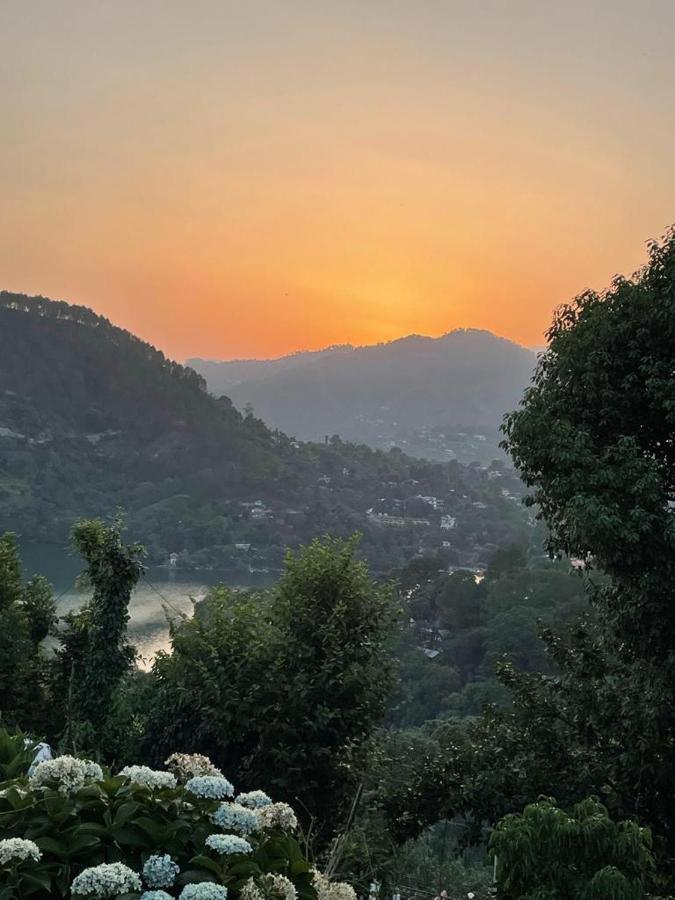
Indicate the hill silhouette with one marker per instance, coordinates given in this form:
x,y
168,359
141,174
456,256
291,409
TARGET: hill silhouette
x,y
92,419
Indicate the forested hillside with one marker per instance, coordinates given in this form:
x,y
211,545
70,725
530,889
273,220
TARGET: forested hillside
x,y
442,398
93,419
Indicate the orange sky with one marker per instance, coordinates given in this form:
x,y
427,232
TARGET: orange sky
x,y
230,179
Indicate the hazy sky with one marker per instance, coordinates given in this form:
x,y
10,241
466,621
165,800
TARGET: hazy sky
x,y
250,178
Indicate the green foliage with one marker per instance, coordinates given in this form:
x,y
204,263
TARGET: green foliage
x,y
473,624
40,608
95,654
117,820
27,613
545,852
16,754
427,864
593,438
424,685
287,686
14,634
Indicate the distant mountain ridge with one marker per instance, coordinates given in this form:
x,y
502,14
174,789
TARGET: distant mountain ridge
x,y
377,394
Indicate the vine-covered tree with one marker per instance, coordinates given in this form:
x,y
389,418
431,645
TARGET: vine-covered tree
x,y
95,654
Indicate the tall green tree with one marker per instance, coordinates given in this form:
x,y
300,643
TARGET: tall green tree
x,y
95,653
593,440
290,684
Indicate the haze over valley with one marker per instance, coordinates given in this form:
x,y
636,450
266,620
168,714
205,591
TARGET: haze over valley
x,y
441,398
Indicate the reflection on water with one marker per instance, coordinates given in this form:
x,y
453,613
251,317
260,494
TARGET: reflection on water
x,y
162,593
152,605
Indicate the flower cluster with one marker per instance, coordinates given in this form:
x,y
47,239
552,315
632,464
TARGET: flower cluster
x,y
234,817
204,890
155,895
332,890
92,771
68,772
149,778
228,844
280,887
269,887
106,880
160,871
277,815
190,765
18,850
253,799
210,787
251,891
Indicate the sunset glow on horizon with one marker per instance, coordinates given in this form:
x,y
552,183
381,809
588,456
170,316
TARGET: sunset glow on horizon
x,y
246,180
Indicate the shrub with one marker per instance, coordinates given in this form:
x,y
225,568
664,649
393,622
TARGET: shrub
x,y
75,829
549,854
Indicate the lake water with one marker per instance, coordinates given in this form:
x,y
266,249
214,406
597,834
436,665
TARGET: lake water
x,y
161,594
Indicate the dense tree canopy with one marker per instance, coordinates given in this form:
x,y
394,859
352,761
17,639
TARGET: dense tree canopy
x,y
291,684
594,439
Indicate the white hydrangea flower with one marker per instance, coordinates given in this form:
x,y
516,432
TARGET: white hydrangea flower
x,y
153,779
253,799
332,890
67,772
251,891
105,881
160,871
155,895
18,850
210,787
234,817
92,771
191,765
228,844
268,887
204,890
281,887
278,815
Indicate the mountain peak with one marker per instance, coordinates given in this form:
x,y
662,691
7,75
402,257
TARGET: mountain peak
x,y
376,393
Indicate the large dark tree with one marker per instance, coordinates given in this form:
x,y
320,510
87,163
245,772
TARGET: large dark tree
x,y
594,441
